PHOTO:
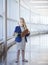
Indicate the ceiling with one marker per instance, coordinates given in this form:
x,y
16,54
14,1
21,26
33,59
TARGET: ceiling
x,y
39,6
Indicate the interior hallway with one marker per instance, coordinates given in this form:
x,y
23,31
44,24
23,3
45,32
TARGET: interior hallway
x,y
36,52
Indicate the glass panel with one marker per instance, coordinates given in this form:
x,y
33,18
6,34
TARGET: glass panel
x,y
13,9
22,12
1,6
25,13
1,28
10,27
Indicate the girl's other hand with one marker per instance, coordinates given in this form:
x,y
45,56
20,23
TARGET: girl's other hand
x,y
28,31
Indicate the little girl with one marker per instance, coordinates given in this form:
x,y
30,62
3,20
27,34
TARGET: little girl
x,y
21,41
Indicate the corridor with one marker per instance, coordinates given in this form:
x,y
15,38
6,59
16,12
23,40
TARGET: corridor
x,y
36,52
35,14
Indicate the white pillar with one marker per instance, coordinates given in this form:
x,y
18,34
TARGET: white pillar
x,y
5,21
5,25
5,29
19,8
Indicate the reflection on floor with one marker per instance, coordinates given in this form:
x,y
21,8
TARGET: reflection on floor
x,y
36,52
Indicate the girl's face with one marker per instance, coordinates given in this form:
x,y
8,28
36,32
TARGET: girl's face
x,y
21,23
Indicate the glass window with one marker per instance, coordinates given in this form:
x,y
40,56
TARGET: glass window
x,y
10,27
1,28
12,15
22,12
1,6
25,13
13,9
1,20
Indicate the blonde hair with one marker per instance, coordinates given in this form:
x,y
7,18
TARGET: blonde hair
x,y
23,22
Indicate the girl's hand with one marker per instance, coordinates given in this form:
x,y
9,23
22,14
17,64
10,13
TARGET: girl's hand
x,y
28,31
15,34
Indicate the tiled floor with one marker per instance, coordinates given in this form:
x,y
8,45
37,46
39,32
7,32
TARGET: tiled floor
x,y
36,52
